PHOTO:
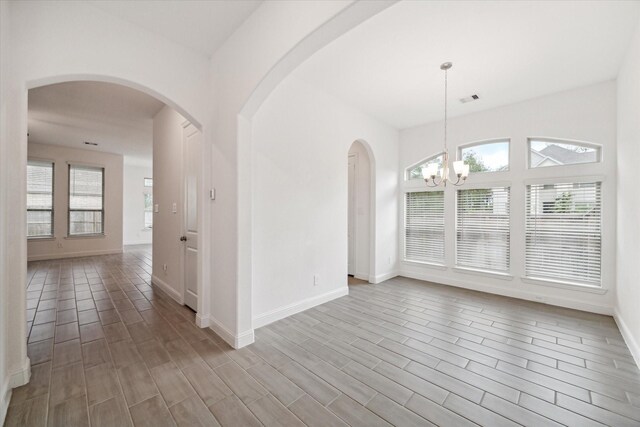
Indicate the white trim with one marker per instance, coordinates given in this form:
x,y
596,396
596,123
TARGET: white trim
x,y
488,273
565,285
236,341
633,345
362,276
167,289
22,375
244,339
511,292
137,242
202,321
5,398
385,276
74,254
296,307
584,179
425,264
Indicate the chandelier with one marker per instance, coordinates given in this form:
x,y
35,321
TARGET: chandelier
x,y
434,175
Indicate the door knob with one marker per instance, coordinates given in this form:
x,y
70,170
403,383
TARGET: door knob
x,y
183,238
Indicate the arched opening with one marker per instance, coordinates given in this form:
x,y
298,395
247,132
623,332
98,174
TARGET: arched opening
x,y
188,206
360,213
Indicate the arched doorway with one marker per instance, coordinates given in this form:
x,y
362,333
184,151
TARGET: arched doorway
x,y
360,211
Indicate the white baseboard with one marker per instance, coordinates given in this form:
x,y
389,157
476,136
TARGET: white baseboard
x,y
21,375
167,289
513,293
137,242
244,339
282,312
202,321
5,398
362,276
73,254
385,276
236,341
633,345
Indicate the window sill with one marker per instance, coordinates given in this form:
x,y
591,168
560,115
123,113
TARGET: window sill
x,y
147,229
425,264
40,239
565,285
86,236
487,273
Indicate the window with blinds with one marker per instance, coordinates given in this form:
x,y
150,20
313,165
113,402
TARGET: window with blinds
x,y
564,232
39,199
424,227
86,200
482,229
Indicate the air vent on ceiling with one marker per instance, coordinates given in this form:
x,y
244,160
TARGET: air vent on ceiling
x,y
91,143
469,99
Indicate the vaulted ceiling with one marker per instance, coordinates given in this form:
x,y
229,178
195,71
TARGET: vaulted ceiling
x,y
506,52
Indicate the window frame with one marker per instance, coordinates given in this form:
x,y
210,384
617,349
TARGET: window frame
x,y
435,264
408,169
599,148
147,190
53,204
600,288
503,274
467,145
69,210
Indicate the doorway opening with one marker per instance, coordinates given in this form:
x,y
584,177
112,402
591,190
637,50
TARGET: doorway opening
x,y
113,182
360,214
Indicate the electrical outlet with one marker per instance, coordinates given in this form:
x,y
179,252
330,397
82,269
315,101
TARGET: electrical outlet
x,y
164,267
59,245
316,279
389,261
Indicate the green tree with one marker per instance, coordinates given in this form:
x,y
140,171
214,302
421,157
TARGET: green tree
x,y
475,164
563,203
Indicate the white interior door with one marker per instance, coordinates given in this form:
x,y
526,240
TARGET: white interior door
x,y
351,222
192,146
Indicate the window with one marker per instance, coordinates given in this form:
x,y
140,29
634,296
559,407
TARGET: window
x,y
86,200
544,153
564,232
39,199
424,227
492,156
148,203
415,172
482,229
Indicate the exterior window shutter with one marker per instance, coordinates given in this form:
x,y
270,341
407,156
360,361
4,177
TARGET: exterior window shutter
x,y
482,229
564,232
424,227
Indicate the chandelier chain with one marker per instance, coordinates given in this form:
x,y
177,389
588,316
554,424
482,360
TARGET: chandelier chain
x,y
445,109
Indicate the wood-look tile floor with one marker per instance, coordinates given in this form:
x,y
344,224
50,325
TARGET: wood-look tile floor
x,y
108,349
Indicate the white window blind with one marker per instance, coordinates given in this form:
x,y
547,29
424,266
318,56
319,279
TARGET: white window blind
x,y
564,232
424,227
482,229
86,200
39,199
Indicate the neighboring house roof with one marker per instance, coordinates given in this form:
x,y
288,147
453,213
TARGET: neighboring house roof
x,y
565,156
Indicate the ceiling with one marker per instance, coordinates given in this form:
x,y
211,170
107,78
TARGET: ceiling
x,y
118,118
197,24
506,52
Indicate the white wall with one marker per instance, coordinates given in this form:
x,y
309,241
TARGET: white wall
x,y
628,244
362,227
167,190
133,230
301,140
584,114
5,294
61,245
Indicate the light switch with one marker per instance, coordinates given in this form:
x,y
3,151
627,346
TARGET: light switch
x,y
156,208
174,208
